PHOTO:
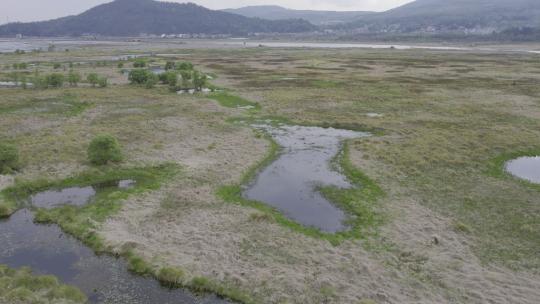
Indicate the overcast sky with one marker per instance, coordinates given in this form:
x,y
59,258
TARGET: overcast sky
x,y
32,10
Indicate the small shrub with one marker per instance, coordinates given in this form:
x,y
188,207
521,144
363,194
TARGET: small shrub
x,y
170,277
92,79
151,81
56,66
4,211
20,295
170,78
139,76
186,79
185,66
199,80
120,65
201,284
260,217
74,78
139,63
55,80
39,82
9,158
138,265
64,292
462,227
102,82
170,65
104,149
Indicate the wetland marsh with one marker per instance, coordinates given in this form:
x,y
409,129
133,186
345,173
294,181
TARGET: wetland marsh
x,y
428,189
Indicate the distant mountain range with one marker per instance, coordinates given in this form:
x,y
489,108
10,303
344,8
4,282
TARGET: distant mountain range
x,y
503,19
465,16
273,12
134,17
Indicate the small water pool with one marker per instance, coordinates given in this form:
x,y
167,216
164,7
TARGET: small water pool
x,y
527,168
48,250
290,183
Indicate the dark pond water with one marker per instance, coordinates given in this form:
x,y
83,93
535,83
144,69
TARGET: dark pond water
x,y
104,279
76,196
158,70
290,183
527,168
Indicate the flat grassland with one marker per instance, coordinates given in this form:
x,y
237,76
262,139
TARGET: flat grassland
x,y
455,228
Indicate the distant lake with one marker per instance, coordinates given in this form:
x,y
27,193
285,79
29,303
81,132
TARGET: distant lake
x,y
11,45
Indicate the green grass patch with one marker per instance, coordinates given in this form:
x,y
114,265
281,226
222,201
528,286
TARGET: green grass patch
x,y
359,202
66,104
7,207
174,277
232,101
21,286
276,121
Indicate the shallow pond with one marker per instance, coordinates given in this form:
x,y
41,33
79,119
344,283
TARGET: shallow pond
x,y
158,70
48,250
290,183
76,196
527,168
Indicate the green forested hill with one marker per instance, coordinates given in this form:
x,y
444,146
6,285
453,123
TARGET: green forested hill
x,y
134,17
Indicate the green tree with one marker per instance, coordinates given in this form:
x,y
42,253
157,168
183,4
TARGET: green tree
x,y
186,79
74,78
139,76
185,66
139,63
170,65
151,81
104,149
120,65
92,79
56,66
170,78
55,80
102,82
199,80
39,82
23,82
9,158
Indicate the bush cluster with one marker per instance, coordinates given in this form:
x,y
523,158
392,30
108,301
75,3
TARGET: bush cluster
x,y
104,149
9,158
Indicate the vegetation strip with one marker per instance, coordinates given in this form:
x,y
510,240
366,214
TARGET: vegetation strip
x,y
21,286
233,101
